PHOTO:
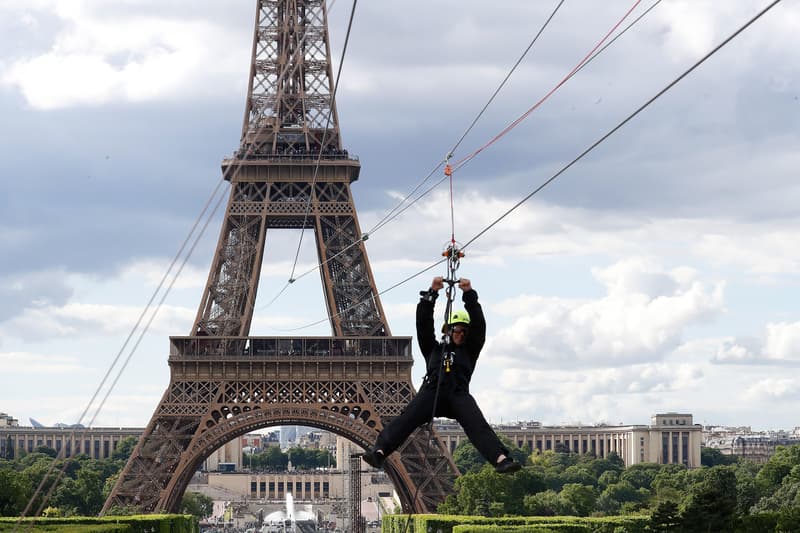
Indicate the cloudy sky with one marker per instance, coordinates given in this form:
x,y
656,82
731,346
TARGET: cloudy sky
x,y
657,274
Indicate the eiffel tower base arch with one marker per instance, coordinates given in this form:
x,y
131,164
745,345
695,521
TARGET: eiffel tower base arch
x,y
211,401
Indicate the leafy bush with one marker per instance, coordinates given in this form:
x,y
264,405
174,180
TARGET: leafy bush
x,y
123,524
559,524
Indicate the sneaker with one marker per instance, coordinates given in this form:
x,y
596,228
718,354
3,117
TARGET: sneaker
x,y
374,459
507,466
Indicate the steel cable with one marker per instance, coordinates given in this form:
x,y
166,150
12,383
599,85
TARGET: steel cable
x,y
579,157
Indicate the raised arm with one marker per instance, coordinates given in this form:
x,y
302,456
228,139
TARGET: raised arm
x,y
426,335
477,322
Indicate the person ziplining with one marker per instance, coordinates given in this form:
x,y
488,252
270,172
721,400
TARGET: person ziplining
x,y
445,388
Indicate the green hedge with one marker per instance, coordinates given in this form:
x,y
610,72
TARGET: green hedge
x,y
563,524
530,528
71,528
105,524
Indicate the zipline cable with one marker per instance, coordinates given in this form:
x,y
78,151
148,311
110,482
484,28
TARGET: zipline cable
x,y
575,160
527,113
116,359
474,120
136,344
503,83
623,122
322,142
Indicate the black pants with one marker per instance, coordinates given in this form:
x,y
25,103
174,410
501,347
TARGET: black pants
x,y
457,404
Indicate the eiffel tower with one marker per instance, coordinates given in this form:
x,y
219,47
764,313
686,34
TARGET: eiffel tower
x,y
290,172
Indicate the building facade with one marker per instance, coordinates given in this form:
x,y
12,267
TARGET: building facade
x,y
8,421
306,486
97,443
757,447
671,438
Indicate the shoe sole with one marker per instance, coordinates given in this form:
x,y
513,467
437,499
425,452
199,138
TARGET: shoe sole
x,y
515,467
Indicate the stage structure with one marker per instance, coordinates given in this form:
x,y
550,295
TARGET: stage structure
x,y
290,172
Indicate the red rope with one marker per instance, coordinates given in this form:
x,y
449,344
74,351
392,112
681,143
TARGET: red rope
x,y
448,171
514,124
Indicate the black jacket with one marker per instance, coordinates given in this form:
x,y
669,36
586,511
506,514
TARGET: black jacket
x,y
464,356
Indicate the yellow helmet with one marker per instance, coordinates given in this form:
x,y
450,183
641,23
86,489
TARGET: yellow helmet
x,y
457,317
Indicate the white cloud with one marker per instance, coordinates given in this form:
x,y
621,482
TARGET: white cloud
x,y
537,229
32,363
609,394
641,318
150,273
120,410
77,320
104,55
780,346
772,389
783,341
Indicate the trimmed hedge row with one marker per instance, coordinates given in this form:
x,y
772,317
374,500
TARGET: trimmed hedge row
x,y
560,524
72,528
531,528
105,524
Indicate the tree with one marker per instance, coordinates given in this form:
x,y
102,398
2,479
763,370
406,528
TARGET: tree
x,y
9,453
545,503
270,459
641,475
124,449
67,497
711,504
274,458
90,488
786,497
579,473
577,499
789,520
481,489
46,450
520,455
612,463
747,491
607,505
108,484
467,458
526,481
779,466
37,471
309,459
623,492
15,489
714,457
197,504
670,483
607,478
665,518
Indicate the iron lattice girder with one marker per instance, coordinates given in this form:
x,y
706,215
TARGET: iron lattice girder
x,y
289,102
347,371
152,462
271,195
